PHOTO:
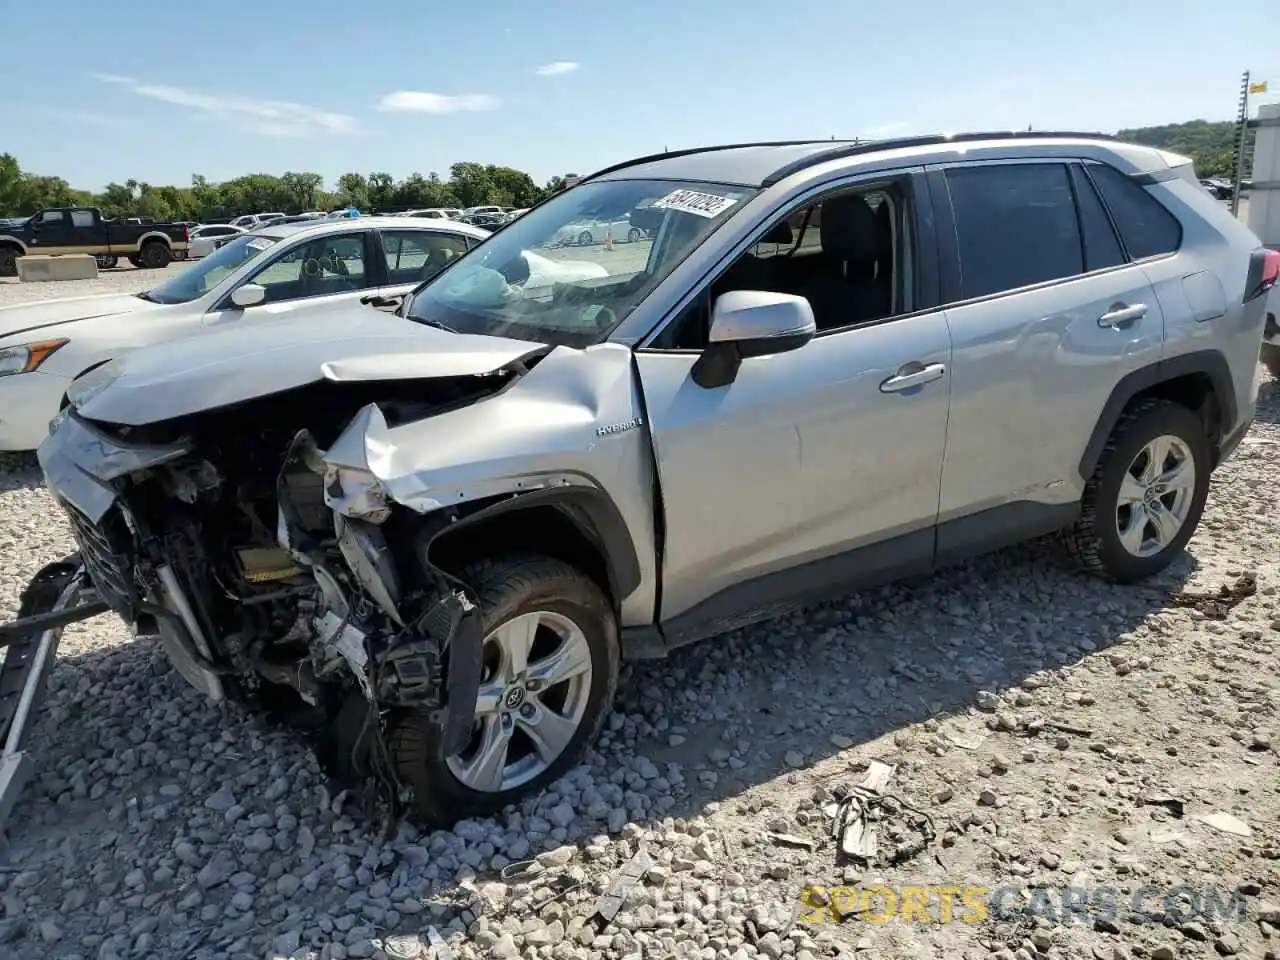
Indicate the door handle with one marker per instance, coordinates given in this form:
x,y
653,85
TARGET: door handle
x,y
916,378
1121,315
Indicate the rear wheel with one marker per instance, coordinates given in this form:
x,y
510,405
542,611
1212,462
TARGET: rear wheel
x,y
584,238
1145,498
8,261
634,235
154,255
550,672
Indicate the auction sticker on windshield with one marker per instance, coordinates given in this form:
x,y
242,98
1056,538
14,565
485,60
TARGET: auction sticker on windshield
x,y
707,205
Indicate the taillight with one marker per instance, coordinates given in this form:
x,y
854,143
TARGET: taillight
x,y
1264,272
186,234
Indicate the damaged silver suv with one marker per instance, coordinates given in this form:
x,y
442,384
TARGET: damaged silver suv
x,y
429,537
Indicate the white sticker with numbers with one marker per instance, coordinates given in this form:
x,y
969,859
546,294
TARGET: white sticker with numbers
x,y
707,205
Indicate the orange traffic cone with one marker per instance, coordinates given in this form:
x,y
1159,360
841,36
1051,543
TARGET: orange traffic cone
x,y
608,237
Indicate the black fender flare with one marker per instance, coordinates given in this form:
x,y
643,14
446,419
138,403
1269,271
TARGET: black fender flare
x,y
1212,363
590,509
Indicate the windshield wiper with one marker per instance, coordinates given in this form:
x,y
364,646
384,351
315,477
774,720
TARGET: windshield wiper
x,y
146,295
433,323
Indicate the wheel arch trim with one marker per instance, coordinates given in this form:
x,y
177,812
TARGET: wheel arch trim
x,y
1212,363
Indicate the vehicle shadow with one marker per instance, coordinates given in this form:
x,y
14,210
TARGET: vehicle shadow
x,y
19,471
714,719
1268,410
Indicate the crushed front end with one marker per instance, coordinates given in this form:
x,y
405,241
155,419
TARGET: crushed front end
x,y
234,544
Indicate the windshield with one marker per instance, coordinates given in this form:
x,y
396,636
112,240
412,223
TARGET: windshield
x,y
570,271
204,275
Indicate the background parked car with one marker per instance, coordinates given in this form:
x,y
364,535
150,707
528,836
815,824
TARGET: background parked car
x,y
208,238
256,276
584,233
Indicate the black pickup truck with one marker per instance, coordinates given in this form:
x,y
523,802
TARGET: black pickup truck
x,y
61,230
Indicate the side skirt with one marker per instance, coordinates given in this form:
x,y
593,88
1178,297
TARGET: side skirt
x,y
864,568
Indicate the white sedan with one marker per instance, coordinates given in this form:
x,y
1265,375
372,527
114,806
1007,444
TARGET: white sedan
x,y
588,232
206,239
268,272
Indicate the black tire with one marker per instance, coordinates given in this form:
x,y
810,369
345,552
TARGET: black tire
x,y
635,235
135,260
107,262
585,239
1094,541
1271,359
506,589
155,255
9,261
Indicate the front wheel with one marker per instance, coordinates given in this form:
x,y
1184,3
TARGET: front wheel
x,y
550,672
1145,498
585,239
634,235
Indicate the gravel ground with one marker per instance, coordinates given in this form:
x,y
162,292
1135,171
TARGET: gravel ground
x,y
1057,732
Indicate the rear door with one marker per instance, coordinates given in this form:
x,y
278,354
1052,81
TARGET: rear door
x,y
308,274
1046,315
414,256
88,230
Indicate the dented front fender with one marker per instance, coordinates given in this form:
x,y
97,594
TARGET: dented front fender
x,y
573,423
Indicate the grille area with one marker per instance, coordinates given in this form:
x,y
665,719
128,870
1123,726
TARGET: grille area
x,y
108,559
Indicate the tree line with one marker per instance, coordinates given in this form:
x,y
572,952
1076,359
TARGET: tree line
x,y
1210,144
468,185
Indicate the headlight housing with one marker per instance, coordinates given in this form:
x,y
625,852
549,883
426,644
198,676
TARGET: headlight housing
x,y
26,357
91,383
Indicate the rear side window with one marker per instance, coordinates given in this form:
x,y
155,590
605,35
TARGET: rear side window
x,y
1146,227
1016,225
1101,246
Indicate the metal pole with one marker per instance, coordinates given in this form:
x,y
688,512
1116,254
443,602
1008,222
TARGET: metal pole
x,y
1243,123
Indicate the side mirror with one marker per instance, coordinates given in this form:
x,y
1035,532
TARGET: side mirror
x,y
248,295
751,323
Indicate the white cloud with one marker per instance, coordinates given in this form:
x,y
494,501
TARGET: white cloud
x,y
78,117
277,118
415,101
557,69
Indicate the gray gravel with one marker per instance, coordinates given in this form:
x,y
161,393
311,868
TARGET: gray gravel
x,y
1033,714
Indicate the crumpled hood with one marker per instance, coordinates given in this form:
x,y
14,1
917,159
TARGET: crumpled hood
x,y
40,315
254,358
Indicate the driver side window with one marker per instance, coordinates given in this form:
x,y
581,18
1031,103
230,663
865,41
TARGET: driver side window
x,y
843,253
321,267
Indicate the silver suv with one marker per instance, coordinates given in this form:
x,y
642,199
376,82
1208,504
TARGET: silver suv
x,y
429,537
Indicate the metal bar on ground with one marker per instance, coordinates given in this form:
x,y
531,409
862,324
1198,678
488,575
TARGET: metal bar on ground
x,y
10,632
16,765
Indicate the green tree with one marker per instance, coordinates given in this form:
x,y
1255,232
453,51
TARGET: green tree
x,y
353,189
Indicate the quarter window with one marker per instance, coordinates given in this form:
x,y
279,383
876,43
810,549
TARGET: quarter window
x,y
1146,227
1015,226
82,218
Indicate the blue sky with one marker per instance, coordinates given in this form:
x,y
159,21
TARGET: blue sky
x,y
161,91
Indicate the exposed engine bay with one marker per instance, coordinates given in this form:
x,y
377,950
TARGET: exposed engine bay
x,y
274,578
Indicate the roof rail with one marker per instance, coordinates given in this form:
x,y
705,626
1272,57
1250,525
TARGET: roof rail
x,y
852,149
667,154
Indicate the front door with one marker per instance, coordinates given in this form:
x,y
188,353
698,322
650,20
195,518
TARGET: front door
x,y
813,467
51,233
323,271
